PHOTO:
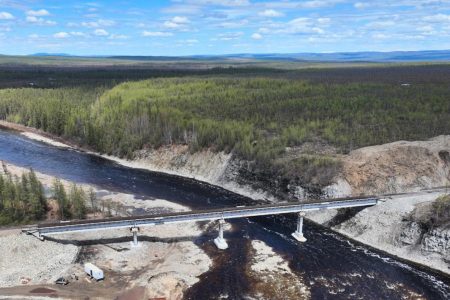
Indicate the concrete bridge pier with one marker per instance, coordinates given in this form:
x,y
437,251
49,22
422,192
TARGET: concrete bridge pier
x,y
220,241
298,234
135,231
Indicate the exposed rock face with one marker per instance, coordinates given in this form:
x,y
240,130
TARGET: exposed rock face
x,y
411,234
437,240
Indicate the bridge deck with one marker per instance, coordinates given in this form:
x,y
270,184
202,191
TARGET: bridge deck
x,y
203,215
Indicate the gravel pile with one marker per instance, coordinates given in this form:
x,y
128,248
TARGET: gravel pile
x,y
27,260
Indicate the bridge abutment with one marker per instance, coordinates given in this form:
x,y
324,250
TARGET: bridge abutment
x,y
220,242
298,234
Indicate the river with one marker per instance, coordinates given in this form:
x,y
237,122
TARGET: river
x,y
330,265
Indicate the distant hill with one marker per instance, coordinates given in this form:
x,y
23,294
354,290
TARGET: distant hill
x,y
50,54
395,56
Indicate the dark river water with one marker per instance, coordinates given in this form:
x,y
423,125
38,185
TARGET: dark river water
x,y
330,265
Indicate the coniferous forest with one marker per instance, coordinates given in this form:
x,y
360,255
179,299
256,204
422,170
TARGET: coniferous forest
x,y
23,199
255,113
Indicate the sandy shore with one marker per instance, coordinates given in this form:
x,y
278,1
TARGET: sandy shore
x,y
165,264
272,276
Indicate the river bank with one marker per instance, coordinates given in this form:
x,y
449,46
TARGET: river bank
x,y
399,175
165,269
167,262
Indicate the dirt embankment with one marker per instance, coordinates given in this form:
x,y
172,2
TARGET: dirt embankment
x,y
398,167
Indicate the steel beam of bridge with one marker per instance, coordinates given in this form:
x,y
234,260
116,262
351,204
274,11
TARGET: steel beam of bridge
x,y
220,214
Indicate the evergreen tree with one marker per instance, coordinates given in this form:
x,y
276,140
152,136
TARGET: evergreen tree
x,y
78,200
59,194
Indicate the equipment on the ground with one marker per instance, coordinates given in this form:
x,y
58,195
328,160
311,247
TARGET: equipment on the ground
x,y
62,281
93,271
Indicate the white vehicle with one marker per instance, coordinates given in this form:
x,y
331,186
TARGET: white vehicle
x,y
93,271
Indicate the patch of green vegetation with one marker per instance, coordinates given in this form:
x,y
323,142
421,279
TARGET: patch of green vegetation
x,y
434,215
22,199
259,117
316,170
72,205
254,113
440,211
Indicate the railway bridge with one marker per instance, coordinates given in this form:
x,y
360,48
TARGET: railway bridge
x,y
220,215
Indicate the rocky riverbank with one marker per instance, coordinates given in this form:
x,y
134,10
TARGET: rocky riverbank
x,y
391,168
387,227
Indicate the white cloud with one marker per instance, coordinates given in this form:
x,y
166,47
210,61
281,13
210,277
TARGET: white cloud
x,y
79,34
156,33
380,24
323,20
188,42
96,24
171,25
177,22
229,36
38,13
6,16
180,20
32,19
218,2
361,5
380,36
34,36
105,22
270,13
438,18
101,32
302,25
184,9
426,30
87,24
39,21
233,24
61,35
117,37
257,36
318,3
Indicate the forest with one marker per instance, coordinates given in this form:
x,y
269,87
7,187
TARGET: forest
x,y
23,200
256,114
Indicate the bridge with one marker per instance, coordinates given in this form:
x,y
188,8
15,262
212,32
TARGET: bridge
x,y
220,215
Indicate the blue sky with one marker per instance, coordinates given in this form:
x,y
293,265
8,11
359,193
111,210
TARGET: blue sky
x,y
187,27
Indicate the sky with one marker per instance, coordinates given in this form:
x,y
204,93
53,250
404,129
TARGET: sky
x,y
202,27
